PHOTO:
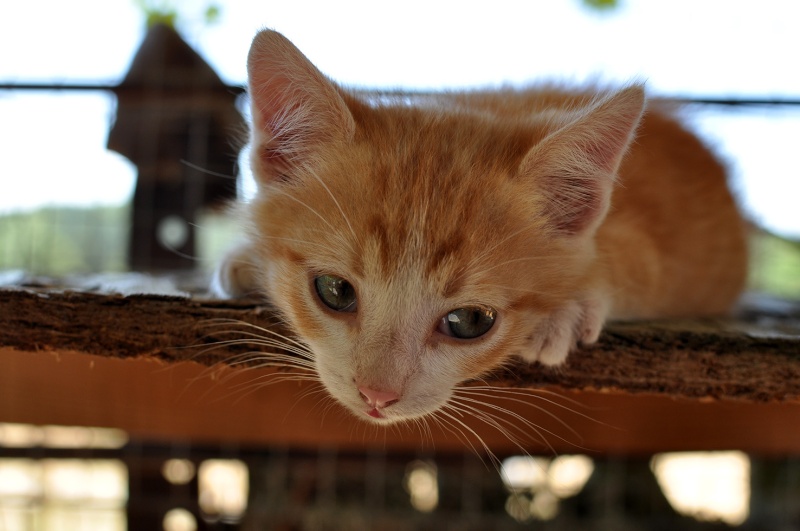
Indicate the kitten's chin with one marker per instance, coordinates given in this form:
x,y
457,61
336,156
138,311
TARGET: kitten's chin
x,y
375,416
391,415
384,418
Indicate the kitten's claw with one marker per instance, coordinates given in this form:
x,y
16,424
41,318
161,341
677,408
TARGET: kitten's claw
x,y
577,322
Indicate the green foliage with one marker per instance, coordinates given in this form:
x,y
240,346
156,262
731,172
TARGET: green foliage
x,y
601,5
62,240
169,12
156,17
775,265
212,14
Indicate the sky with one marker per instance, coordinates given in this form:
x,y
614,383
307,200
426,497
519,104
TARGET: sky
x,y
52,145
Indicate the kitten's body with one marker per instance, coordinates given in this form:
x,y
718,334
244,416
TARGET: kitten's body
x,y
492,207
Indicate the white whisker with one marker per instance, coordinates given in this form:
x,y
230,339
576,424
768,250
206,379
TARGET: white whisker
x,y
532,393
336,202
245,389
223,321
270,343
498,423
510,288
450,407
477,262
206,170
548,258
260,361
295,240
333,231
521,422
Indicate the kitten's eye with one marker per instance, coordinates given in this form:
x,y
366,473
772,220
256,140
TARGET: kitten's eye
x,y
468,323
336,293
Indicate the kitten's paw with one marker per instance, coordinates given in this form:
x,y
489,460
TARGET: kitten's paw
x,y
577,322
236,275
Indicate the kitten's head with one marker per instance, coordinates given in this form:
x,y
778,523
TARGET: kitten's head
x,y
415,247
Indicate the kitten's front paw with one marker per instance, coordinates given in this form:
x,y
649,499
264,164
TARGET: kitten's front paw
x,y
236,275
577,322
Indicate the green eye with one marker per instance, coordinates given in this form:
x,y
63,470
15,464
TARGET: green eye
x,y
468,323
336,293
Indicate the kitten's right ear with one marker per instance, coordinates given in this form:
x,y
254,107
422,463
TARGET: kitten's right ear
x,y
574,168
296,110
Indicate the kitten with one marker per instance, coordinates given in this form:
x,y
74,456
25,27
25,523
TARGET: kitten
x,y
414,242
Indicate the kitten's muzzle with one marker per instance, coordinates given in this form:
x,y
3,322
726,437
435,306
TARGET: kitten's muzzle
x,y
377,400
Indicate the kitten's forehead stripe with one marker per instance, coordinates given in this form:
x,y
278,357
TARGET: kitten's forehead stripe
x,y
449,249
453,285
420,167
378,230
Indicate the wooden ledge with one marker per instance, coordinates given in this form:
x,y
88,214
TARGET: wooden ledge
x,y
85,358
738,359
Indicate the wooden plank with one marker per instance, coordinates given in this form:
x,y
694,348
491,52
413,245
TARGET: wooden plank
x,y
151,399
87,359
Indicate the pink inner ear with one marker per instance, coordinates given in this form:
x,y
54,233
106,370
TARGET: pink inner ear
x,y
295,108
269,101
577,190
575,167
572,182
585,201
273,162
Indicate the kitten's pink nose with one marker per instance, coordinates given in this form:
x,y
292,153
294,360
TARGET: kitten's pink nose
x,y
378,399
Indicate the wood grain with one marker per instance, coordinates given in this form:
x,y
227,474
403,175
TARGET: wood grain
x,y
142,363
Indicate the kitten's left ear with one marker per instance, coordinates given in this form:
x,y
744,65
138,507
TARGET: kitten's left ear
x,y
297,111
574,167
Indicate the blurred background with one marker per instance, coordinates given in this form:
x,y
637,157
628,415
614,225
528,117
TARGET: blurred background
x,y
121,124
80,119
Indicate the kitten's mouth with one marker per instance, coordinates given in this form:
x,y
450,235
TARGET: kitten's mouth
x,y
377,416
376,413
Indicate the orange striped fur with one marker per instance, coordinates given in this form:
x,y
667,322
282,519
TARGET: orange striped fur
x,y
556,208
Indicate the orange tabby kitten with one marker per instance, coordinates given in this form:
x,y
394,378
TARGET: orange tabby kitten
x,y
414,242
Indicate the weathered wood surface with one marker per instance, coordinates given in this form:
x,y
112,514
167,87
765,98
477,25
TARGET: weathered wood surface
x,y
756,359
110,360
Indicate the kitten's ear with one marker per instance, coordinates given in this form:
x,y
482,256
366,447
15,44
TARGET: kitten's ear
x,y
296,109
574,167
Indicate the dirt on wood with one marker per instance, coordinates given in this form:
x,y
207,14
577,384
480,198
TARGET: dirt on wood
x,y
707,359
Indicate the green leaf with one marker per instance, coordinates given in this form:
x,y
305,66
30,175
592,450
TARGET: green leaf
x,y
212,13
601,5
